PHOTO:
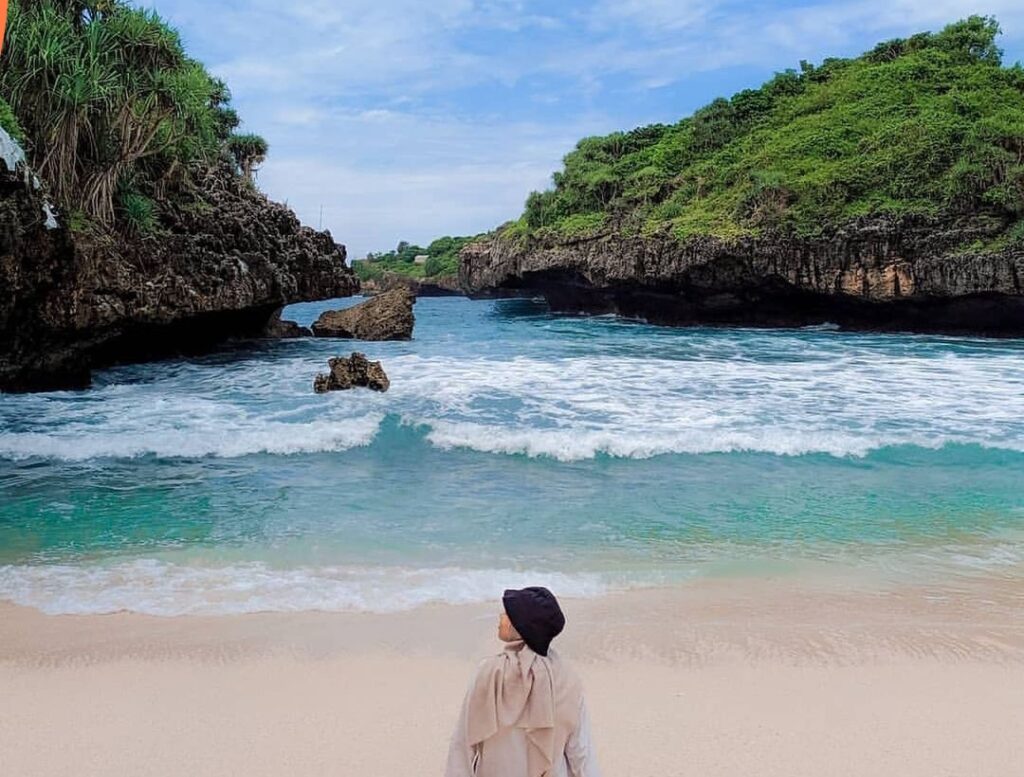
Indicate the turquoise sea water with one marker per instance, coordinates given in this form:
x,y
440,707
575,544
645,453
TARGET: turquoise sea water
x,y
589,453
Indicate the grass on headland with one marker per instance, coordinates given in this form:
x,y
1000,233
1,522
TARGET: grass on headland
x,y
931,124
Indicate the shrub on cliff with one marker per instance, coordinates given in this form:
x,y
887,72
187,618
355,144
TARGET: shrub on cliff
x,y
9,122
138,212
107,95
249,151
930,124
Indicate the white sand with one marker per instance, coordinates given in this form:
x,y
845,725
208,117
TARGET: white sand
x,y
738,679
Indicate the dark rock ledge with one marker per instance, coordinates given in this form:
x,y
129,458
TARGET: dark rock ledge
x,y
444,286
908,274
282,329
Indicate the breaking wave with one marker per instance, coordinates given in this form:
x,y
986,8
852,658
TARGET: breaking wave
x,y
225,442
566,444
578,445
566,390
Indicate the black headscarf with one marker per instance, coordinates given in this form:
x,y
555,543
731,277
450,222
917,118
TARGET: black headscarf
x,y
535,613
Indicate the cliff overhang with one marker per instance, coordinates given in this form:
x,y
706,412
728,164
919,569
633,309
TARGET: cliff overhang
x,y
223,260
915,274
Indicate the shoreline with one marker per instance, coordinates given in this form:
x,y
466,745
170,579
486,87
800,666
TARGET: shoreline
x,y
805,621
723,679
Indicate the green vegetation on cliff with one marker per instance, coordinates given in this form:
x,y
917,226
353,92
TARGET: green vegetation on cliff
x,y
933,124
116,116
249,151
9,122
442,260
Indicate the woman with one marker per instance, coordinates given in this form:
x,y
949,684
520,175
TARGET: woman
x,y
524,714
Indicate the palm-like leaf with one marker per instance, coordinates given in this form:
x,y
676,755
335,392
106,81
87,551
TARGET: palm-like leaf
x,y
105,91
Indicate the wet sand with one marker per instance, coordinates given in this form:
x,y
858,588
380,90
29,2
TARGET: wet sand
x,y
744,677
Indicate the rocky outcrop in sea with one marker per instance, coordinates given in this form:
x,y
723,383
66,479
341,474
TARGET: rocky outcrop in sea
x,y
387,316
908,274
222,262
349,372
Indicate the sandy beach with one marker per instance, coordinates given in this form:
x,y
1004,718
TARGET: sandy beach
x,y
731,678
324,324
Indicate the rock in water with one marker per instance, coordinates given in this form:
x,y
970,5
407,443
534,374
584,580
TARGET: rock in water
x,y
387,316
354,371
282,329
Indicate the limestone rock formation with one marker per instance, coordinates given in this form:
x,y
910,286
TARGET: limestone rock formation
x,y
282,329
440,286
387,316
909,274
352,372
224,260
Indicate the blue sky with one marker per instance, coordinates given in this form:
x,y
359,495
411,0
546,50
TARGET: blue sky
x,y
411,119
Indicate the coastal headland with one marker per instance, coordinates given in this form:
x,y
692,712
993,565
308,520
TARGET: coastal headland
x,y
879,192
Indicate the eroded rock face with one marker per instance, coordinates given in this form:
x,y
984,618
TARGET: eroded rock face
x,y
282,329
387,316
893,274
355,371
224,261
443,286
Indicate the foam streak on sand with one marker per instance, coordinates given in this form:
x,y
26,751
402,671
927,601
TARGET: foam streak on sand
x,y
153,587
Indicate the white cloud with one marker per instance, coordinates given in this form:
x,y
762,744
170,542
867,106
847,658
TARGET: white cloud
x,y
393,176
409,119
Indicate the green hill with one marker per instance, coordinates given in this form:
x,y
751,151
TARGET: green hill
x,y
442,260
932,125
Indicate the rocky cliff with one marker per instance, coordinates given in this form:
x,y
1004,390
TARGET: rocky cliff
x,y
439,286
223,260
912,273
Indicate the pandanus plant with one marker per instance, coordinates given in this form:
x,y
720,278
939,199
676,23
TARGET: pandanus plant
x,y
106,92
249,152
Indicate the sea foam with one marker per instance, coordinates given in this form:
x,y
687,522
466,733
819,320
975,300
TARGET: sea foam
x,y
789,394
578,445
222,441
156,587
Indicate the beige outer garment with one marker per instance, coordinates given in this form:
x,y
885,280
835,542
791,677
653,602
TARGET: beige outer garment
x,y
523,716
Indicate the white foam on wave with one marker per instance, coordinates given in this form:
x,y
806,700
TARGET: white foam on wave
x,y
190,442
155,587
831,397
578,445
841,405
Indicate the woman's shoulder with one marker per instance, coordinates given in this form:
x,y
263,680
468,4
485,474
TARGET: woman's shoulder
x,y
565,670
